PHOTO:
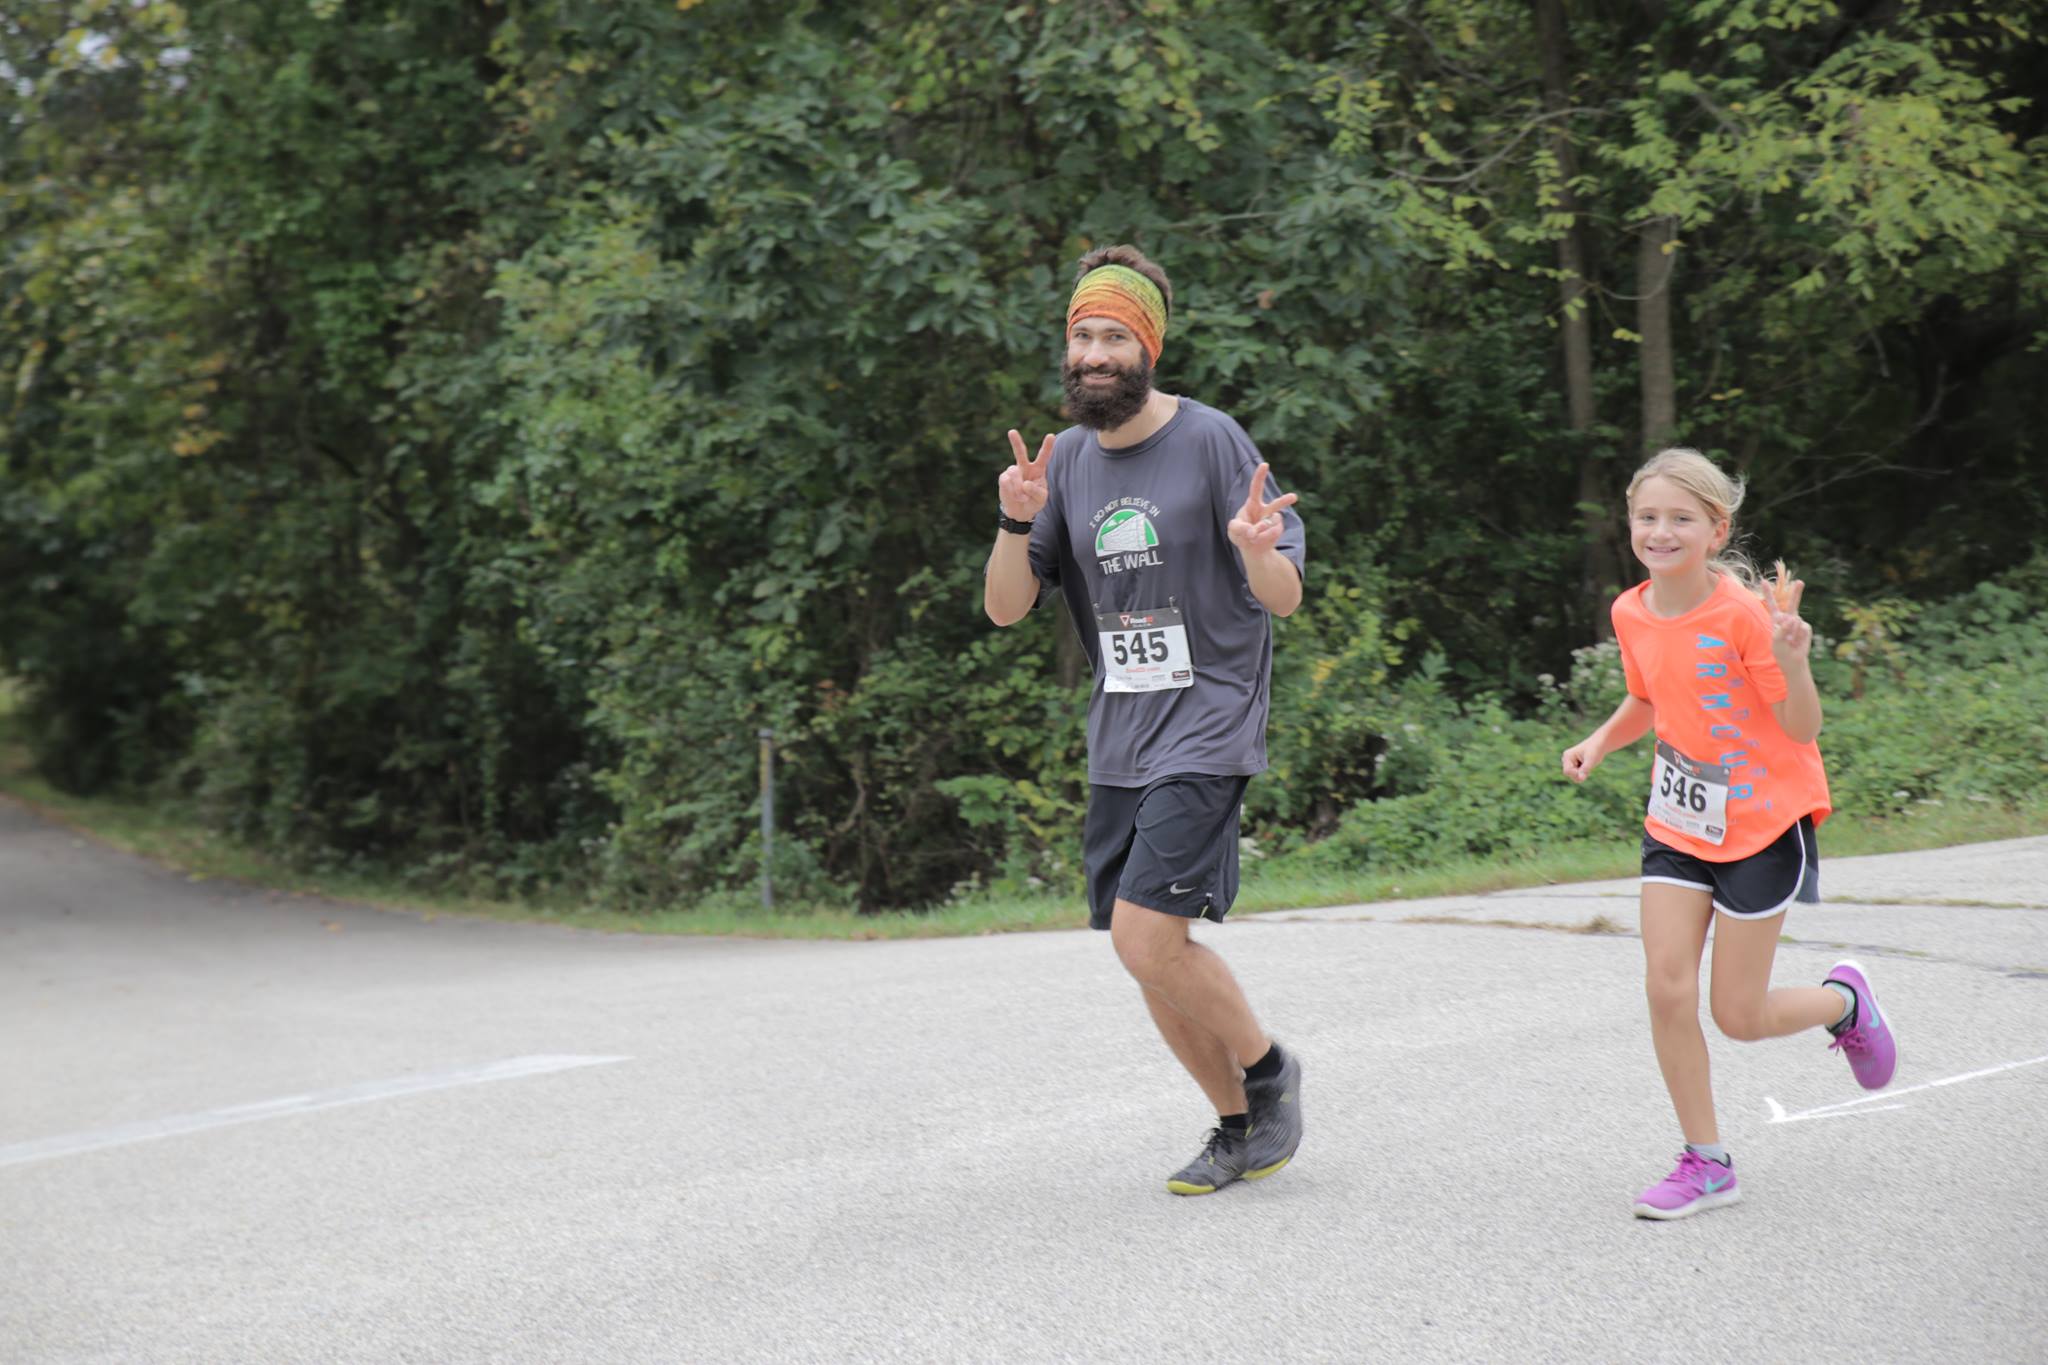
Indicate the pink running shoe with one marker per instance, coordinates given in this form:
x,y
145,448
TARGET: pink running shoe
x,y
1696,1186
1873,1053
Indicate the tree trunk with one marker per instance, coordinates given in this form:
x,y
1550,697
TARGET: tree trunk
x,y
1656,258
1070,663
1571,252
1599,558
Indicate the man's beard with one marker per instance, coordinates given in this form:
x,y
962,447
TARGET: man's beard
x,y
1105,409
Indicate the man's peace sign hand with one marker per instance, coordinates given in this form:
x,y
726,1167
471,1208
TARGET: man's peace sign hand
x,y
1257,527
1022,487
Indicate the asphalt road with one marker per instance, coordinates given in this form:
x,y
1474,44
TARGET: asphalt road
x,y
243,1127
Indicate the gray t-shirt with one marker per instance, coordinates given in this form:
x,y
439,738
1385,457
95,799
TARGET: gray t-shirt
x,y
1144,530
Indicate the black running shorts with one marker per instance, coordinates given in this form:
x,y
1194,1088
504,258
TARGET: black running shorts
x,y
1168,846
1757,887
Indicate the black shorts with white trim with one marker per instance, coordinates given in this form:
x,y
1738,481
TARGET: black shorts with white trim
x,y
1757,887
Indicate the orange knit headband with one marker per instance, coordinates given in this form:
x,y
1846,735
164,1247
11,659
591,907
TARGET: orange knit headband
x,y
1123,295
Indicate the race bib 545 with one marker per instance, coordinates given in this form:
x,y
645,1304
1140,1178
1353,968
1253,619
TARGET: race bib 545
x,y
1144,651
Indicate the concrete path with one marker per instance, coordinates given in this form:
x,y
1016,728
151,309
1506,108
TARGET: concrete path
x,y
243,1127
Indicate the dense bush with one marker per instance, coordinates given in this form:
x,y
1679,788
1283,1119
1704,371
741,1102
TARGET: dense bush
x,y
1964,719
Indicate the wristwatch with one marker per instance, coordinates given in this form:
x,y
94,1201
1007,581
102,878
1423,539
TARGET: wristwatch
x,y
1006,522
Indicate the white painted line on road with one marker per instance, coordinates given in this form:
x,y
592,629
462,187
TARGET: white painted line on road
x,y
1778,1114
44,1149
1848,1109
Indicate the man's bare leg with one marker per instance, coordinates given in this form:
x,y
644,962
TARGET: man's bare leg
x,y
1205,1055
1196,984
1204,1017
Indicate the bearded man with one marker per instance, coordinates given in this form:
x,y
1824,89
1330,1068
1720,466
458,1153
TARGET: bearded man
x,y
1152,518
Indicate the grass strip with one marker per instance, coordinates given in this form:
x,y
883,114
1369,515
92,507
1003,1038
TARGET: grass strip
x,y
170,834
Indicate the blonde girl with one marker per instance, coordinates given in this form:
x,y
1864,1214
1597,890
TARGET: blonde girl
x,y
1716,662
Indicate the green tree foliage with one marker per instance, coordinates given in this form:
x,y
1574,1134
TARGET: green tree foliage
x,y
1884,159
448,431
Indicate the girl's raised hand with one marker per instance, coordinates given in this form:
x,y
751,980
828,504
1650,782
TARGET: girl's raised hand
x,y
1791,636
1580,760
1257,527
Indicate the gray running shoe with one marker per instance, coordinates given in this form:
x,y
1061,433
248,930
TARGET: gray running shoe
x,y
1275,1108
1221,1161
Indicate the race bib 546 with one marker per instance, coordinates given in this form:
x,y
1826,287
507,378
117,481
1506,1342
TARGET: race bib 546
x,y
1688,795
